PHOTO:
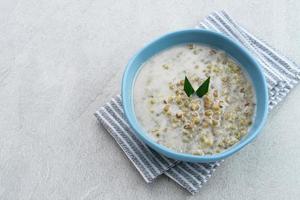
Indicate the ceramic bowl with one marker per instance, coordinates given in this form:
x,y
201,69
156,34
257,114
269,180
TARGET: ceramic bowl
x,y
215,40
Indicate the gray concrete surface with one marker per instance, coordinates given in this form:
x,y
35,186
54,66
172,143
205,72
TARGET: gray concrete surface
x,y
62,59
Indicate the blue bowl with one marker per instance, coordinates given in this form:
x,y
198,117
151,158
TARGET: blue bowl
x,y
214,40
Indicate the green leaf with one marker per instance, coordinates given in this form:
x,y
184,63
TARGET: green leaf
x,y
203,89
188,88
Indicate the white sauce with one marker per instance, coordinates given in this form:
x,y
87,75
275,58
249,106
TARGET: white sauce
x,y
164,70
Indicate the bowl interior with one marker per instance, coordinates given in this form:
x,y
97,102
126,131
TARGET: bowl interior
x,y
207,38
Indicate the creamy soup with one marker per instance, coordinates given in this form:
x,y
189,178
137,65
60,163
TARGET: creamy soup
x,y
194,125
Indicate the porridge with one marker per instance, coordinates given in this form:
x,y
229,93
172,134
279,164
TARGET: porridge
x,y
183,120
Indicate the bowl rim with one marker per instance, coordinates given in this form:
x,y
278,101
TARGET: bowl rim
x,y
130,115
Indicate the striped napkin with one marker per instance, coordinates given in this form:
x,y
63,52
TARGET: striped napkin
x,y
281,74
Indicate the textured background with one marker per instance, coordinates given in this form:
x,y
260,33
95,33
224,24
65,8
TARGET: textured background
x,y
62,59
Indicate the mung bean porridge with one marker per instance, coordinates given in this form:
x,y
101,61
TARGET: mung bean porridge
x,y
200,126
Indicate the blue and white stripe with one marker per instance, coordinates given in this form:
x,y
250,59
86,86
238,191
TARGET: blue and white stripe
x,y
281,73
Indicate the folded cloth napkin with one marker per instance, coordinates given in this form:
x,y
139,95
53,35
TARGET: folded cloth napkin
x,y
281,74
